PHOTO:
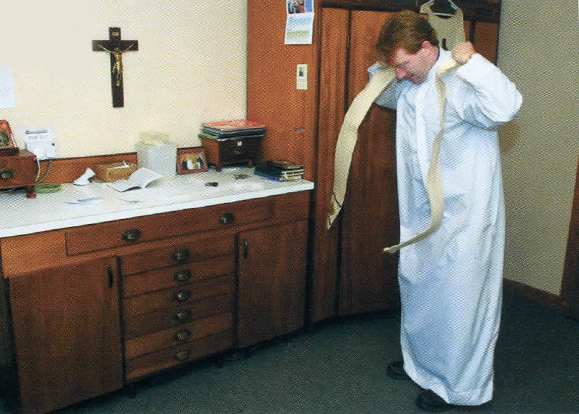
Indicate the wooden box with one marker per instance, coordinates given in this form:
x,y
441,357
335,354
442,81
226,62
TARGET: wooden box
x,y
235,150
18,170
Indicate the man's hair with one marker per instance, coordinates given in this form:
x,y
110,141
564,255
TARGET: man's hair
x,y
407,30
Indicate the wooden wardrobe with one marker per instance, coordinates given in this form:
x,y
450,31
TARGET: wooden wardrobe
x,y
348,274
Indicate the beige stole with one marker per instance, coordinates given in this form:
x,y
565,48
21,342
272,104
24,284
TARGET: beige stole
x,y
349,135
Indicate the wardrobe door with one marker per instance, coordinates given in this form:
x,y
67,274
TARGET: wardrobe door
x,y
368,277
332,107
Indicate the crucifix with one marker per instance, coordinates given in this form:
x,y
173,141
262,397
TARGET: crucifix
x,y
116,47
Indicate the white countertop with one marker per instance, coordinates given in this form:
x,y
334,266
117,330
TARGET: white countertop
x,y
96,203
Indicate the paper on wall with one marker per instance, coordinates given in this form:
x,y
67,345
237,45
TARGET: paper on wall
x,y
300,22
7,94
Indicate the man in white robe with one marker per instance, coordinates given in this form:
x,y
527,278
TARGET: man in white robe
x,y
451,282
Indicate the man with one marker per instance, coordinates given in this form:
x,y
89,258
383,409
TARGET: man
x,y
450,282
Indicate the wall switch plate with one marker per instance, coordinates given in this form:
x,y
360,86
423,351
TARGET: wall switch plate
x,y
302,77
40,142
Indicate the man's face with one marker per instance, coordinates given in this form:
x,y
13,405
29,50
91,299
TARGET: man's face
x,y
411,66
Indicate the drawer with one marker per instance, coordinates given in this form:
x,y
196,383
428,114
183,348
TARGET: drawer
x,y
159,226
186,251
177,316
179,297
167,358
177,276
191,331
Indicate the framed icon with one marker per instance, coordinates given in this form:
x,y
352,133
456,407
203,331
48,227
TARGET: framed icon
x,y
7,146
191,160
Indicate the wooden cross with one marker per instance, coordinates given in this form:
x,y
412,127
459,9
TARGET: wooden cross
x,y
116,47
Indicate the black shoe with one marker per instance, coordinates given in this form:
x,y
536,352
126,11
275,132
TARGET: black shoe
x,y
431,402
396,371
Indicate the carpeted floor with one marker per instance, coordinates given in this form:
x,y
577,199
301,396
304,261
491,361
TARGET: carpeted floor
x,y
339,368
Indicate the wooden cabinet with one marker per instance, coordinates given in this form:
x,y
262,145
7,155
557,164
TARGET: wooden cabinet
x,y
271,299
66,334
349,273
97,307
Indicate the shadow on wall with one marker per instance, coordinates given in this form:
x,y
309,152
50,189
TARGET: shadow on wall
x,y
509,135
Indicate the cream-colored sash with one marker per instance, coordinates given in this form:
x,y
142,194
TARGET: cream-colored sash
x,y
349,135
433,184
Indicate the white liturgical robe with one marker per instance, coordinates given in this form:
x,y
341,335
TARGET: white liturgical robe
x,y
451,282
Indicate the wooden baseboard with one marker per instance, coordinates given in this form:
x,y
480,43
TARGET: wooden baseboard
x,y
533,294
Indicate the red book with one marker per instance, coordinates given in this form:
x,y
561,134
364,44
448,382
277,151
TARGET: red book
x,y
235,125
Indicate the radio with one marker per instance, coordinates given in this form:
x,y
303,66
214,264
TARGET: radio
x,y
19,170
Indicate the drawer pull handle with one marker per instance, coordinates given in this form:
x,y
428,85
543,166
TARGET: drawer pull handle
x,y
181,255
245,249
111,276
182,315
227,218
183,355
7,174
182,295
132,235
183,275
183,335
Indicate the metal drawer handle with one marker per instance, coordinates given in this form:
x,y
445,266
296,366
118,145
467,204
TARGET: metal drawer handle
x,y
183,275
183,355
7,173
183,335
182,295
227,218
181,255
132,235
182,315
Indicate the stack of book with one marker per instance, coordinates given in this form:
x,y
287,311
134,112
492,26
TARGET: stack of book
x,y
232,129
280,170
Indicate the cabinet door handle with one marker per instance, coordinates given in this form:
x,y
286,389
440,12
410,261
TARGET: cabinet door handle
x,y
245,249
181,255
182,295
227,218
183,355
183,275
111,277
132,235
183,335
182,315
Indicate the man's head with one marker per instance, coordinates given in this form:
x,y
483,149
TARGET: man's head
x,y
408,44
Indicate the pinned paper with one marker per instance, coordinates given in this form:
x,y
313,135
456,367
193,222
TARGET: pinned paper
x,y
7,90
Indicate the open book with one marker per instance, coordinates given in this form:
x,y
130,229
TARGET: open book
x,y
139,179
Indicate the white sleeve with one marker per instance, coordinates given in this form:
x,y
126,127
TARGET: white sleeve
x,y
488,98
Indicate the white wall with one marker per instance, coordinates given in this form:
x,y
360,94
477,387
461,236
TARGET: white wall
x,y
538,51
190,68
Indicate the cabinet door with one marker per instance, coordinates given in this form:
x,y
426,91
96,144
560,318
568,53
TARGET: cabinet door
x,y
368,278
66,334
272,282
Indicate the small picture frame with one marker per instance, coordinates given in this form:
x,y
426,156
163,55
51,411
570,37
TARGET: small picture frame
x,y
191,160
7,146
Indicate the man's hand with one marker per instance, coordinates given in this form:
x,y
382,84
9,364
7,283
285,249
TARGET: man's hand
x,y
462,52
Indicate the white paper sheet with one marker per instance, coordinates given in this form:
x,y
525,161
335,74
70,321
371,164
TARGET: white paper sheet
x,y
7,94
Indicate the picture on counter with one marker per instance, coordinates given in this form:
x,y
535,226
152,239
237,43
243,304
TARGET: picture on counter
x,y
191,160
6,140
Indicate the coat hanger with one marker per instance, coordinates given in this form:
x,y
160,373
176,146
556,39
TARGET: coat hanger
x,y
446,8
